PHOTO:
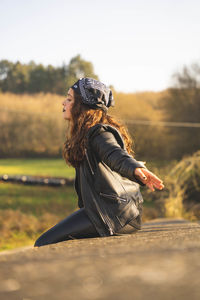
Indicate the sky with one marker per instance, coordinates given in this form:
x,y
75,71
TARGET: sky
x,y
134,45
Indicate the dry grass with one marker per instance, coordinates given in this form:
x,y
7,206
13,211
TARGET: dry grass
x,y
33,125
184,189
37,103
138,106
19,229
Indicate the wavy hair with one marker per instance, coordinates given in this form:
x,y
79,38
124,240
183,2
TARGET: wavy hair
x,y
82,118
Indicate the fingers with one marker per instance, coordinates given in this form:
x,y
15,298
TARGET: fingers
x,y
150,179
159,186
150,185
153,176
154,179
157,183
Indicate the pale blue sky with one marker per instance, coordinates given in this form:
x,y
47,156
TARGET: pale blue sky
x,y
135,45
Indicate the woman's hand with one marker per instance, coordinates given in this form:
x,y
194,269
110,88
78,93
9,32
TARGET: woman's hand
x,y
148,178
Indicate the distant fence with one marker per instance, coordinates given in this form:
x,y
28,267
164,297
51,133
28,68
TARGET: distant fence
x,y
162,123
36,180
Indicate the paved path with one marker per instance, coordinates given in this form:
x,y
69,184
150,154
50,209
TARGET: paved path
x,y
162,261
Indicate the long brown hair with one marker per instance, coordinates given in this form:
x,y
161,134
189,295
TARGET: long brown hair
x,y
82,118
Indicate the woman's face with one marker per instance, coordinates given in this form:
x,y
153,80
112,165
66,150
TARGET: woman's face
x,y
67,104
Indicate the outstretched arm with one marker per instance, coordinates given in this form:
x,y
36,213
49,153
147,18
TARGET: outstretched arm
x,y
110,152
118,159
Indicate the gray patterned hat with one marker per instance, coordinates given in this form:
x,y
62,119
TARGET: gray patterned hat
x,y
94,93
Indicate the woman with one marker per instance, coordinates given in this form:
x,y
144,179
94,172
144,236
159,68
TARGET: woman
x,y
107,176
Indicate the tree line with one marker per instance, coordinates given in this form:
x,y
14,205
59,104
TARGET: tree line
x,y
181,103
31,78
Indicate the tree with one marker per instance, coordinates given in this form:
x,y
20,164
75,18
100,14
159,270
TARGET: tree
x,y
182,104
5,67
78,68
38,79
33,78
13,77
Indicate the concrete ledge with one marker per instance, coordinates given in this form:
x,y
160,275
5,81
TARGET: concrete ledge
x,y
161,261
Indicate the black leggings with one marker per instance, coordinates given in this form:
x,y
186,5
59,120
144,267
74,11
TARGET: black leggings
x,y
77,225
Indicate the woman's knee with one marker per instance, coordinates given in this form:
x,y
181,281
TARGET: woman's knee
x,y
39,242
43,240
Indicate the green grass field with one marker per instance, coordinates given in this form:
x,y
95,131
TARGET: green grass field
x,y
43,167
26,211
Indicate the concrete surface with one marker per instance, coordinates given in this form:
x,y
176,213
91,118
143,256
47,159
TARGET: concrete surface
x,y
161,261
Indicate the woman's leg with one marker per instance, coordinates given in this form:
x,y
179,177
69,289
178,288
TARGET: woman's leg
x,y
77,225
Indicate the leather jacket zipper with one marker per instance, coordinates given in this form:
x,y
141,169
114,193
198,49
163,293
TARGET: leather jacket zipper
x,y
89,161
113,197
109,226
104,217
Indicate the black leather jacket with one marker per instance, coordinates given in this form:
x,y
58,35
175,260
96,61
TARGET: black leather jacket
x,y
105,181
